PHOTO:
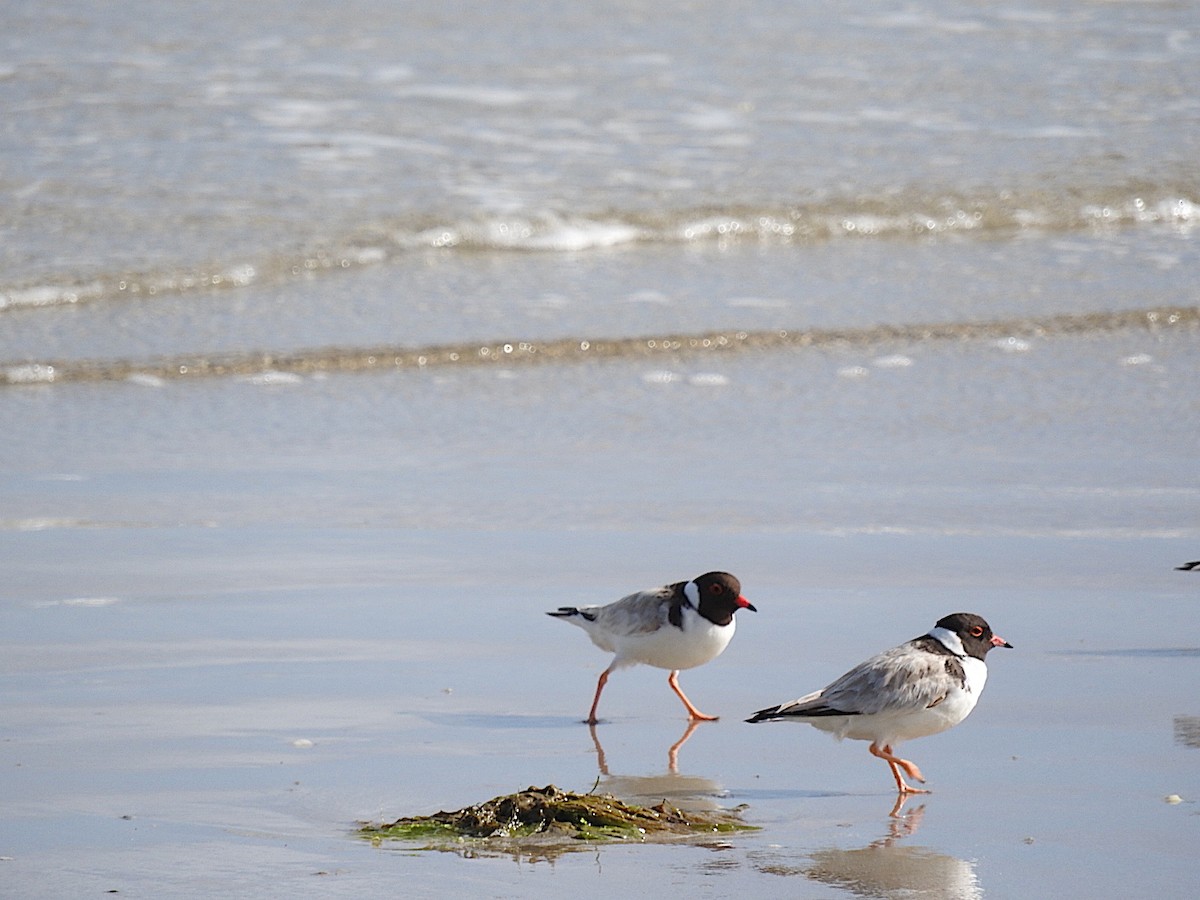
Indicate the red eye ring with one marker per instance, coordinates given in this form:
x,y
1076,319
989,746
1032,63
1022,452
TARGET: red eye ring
x,y
977,631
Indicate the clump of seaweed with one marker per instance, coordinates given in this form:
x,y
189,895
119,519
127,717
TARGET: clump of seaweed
x,y
550,814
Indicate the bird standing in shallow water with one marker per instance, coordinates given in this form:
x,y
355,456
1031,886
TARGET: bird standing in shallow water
x,y
921,687
677,626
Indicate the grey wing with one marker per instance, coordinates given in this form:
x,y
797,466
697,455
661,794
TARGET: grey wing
x,y
638,613
897,679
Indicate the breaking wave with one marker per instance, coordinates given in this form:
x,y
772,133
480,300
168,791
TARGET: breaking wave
x,y
893,218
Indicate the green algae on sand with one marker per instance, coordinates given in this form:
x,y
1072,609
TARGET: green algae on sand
x,y
550,815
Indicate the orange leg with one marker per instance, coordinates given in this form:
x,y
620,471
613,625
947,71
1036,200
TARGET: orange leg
x,y
591,719
895,763
695,714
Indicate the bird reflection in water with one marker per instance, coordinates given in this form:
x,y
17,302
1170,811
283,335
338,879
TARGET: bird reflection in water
x,y
890,869
691,793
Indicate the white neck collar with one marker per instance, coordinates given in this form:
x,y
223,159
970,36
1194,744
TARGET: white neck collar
x,y
949,640
692,593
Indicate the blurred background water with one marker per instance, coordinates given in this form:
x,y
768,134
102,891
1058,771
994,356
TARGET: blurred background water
x,y
265,176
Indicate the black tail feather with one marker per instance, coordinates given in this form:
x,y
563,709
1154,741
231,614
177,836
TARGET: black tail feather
x,y
764,715
566,612
775,713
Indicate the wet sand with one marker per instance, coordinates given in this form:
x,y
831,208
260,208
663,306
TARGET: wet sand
x,y
232,747
217,661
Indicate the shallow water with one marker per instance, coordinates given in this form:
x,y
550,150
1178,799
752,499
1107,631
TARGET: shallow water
x,y
951,252
183,609
181,707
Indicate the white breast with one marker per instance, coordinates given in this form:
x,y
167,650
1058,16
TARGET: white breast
x,y
697,642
